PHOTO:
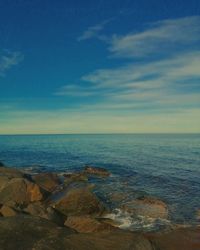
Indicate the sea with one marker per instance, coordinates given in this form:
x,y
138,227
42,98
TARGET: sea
x,y
165,166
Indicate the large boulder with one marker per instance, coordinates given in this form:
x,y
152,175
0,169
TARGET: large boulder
x,y
28,233
21,191
48,181
86,224
96,171
147,206
79,201
180,239
10,172
3,181
40,210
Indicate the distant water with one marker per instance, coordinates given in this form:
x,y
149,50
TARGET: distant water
x,y
162,165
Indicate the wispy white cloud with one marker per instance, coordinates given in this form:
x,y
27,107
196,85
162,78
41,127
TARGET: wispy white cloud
x,y
148,76
160,85
94,31
8,60
159,37
74,90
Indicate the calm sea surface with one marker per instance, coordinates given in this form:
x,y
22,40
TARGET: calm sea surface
x,y
166,166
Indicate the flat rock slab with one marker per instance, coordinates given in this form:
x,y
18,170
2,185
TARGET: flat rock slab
x,y
10,172
180,239
31,233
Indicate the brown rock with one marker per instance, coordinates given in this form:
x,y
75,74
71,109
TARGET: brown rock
x,y
48,181
180,239
10,172
38,209
86,224
79,201
147,206
7,211
115,240
96,171
20,191
76,177
198,214
3,181
25,232
28,233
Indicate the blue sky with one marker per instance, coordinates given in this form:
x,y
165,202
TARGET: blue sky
x,y
130,66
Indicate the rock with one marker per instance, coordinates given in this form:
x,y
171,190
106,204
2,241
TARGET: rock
x,y
36,209
26,232
180,239
118,197
32,233
20,191
48,181
3,181
1,164
198,214
86,224
96,171
115,240
79,201
7,211
75,177
147,206
11,172
39,209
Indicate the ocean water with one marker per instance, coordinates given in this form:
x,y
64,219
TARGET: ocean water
x,y
166,166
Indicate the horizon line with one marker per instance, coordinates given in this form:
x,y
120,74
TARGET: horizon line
x,y
115,133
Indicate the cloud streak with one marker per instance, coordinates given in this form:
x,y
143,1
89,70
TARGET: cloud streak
x,y
160,38
95,31
8,60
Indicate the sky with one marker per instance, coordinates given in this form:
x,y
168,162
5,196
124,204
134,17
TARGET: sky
x,y
106,66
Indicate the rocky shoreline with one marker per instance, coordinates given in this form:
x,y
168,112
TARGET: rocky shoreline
x,y
52,211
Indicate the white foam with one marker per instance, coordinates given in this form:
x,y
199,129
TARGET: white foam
x,y
125,220
122,219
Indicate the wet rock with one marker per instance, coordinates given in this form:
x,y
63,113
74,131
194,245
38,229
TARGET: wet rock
x,y
79,201
96,171
21,191
180,239
118,197
70,177
48,181
26,232
7,211
147,206
86,224
1,164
